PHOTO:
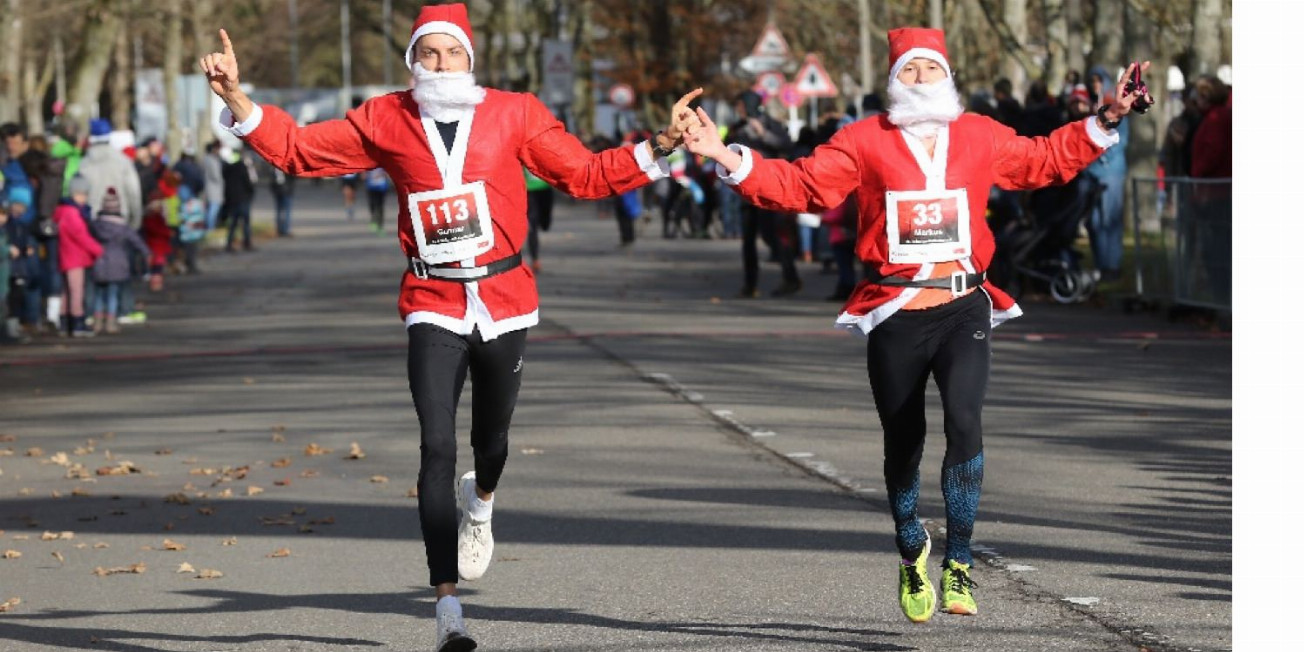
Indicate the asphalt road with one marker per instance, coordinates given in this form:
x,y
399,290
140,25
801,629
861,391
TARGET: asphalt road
x,y
689,471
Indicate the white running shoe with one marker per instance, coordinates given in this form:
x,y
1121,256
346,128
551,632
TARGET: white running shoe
x,y
451,631
475,539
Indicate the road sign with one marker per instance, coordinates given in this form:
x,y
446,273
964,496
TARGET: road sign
x,y
813,80
558,73
771,44
768,84
622,95
790,96
757,65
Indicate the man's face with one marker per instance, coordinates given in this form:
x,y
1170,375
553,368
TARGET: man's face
x,y
1078,108
442,53
921,71
17,145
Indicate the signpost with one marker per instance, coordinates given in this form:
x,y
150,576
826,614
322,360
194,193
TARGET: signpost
x,y
770,52
558,73
622,95
768,84
814,82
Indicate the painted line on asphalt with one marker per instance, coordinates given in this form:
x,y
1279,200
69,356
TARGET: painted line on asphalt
x,y
1121,337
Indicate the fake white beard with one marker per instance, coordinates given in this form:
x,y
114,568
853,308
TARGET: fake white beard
x,y
922,109
445,96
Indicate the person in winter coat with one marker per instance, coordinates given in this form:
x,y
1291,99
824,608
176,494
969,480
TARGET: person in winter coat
x,y
25,264
158,236
78,250
112,270
104,166
1105,227
193,228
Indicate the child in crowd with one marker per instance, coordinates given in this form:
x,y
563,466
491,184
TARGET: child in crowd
x,y
112,270
78,250
193,227
158,236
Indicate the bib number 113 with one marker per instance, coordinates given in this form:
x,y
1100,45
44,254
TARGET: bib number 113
x,y
457,210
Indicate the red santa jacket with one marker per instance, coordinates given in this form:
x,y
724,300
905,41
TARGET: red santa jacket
x,y
508,130
872,157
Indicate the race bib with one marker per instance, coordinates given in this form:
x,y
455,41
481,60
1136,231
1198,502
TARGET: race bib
x,y
451,224
927,226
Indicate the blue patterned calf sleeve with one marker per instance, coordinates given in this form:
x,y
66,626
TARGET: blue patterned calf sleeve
x,y
961,486
910,534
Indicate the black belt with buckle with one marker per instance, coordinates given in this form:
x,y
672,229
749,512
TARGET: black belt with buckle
x,y
958,282
424,271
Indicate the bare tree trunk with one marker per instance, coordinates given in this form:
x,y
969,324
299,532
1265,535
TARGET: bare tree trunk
x,y
1107,43
1206,37
935,14
866,50
511,24
1145,130
120,91
172,77
1057,38
102,35
1074,55
1227,32
11,70
581,28
34,89
1016,17
204,43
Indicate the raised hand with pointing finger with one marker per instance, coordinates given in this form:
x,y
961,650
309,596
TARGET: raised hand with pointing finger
x,y
223,74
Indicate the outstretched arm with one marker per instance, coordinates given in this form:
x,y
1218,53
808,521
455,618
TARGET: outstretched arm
x,y
559,158
329,148
1026,163
812,184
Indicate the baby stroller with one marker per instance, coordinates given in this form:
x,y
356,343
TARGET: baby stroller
x,y
1035,249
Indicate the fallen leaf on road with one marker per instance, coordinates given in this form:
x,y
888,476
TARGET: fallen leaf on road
x,y
185,567
56,494
101,545
123,468
285,482
34,452
53,536
135,569
280,552
206,511
355,452
229,542
276,520
12,554
329,520
24,492
310,473
8,438
80,492
225,493
6,452
177,498
278,438
82,546
253,491
281,463
163,451
21,537
313,449
57,555
169,544
8,605
531,451
200,471
59,458
190,460
379,479
208,574
413,493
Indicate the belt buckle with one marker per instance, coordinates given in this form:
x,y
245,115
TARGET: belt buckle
x,y
959,282
419,269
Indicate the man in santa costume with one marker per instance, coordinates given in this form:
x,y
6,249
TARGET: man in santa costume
x,y
921,173
454,151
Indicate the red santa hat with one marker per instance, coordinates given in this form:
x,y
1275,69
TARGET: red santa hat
x,y
442,19
908,43
1079,92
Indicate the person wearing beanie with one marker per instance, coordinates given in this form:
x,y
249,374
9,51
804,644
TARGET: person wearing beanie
x,y
106,167
454,152
78,250
112,270
921,174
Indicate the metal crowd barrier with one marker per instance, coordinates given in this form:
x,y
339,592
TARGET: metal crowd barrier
x,y
1182,228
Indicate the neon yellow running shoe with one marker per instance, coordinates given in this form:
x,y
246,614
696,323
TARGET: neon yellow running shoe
x,y
957,594
918,599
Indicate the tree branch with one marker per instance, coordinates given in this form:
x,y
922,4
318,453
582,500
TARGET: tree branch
x,y
1011,44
